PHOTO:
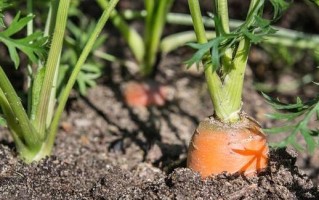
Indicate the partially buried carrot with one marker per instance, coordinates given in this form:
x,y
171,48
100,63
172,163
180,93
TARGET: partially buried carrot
x,y
218,147
143,94
230,141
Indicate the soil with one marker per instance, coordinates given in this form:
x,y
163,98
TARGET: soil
x,y
108,150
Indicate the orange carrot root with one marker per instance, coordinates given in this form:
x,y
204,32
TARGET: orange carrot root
x,y
217,147
145,94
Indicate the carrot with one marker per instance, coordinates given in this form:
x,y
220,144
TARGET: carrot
x,y
229,141
145,94
218,147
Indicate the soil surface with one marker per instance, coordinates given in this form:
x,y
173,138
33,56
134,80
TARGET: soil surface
x,y
106,149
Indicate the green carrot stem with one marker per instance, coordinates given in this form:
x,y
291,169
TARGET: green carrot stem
x,y
51,65
155,21
226,89
77,68
222,13
28,134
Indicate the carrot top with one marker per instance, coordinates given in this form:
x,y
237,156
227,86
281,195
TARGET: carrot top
x,y
225,57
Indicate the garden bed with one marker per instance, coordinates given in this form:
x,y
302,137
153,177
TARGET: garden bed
x,y
106,149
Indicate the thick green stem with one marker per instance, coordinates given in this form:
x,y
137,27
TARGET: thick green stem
x,y
26,152
29,67
222,12
51,65
155,22
52,16
225,89
65,94
49,28
28,134
197,21
30,12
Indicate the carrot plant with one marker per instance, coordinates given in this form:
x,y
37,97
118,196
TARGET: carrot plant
x,y
229,140
144,47
75,40
147,48
34,129
296,118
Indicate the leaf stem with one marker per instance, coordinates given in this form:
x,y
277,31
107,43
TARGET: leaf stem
x,y
155,21
222,13
51,65
28,134
65,94
30,12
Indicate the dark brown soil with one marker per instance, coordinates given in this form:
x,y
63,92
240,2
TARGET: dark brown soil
x,y
107,150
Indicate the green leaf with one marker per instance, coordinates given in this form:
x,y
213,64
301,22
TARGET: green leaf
x,y
197,57
284,116
33,45
311,144
76,40
215,53
294,143
275,103
14,55
281,129
279,7
302,113
86,78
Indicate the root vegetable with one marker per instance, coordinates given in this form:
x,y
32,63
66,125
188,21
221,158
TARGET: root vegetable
x,y
145,94
218,147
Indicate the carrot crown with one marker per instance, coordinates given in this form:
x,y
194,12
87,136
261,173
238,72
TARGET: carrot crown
x,y
225,57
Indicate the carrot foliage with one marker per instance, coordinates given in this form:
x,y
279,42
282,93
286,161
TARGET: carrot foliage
x,y
32,45
296,117
255,28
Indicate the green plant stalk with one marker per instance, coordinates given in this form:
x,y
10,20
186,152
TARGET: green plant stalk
x,y
149,6
51,65
226,89
155,21
52,16
15,129
30,71
66,92
131,36
222,12
21,122
49,29
30,12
